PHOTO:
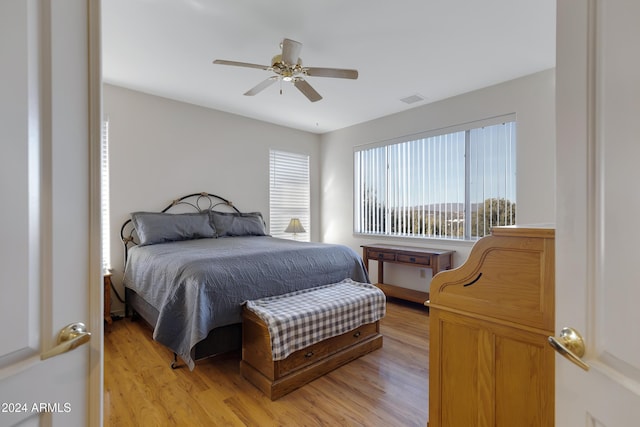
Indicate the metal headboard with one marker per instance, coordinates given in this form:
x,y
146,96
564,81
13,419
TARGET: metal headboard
x,y
198,202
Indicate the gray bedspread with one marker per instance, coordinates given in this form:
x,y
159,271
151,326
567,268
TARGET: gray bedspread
x,y
199,285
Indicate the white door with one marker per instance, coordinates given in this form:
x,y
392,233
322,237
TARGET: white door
x,y
49,221
598,205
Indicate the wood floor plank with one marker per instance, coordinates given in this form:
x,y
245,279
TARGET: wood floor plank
x,y
388,387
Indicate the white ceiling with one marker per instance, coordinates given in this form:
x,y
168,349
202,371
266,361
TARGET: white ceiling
x,y
434,48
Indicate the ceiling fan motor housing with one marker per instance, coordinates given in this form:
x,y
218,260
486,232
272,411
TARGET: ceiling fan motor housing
x,y
286,70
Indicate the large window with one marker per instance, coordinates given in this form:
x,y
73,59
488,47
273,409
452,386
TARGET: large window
x,y
453,185
289,195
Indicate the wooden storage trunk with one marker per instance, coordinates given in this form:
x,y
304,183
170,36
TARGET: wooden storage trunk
x,y
277,378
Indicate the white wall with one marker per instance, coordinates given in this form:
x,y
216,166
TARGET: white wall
x,y
161,149
531,98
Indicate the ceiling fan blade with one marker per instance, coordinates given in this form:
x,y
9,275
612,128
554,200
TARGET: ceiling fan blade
x,y
240,64
291,51
261,86
331,72
307,90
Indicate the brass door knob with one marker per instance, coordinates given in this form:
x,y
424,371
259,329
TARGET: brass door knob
x,y
70,337
571,345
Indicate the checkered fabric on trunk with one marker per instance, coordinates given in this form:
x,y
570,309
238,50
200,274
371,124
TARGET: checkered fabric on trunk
x,y
299,319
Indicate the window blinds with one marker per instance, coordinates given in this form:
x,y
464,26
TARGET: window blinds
x,y
289,193
104,198
454,185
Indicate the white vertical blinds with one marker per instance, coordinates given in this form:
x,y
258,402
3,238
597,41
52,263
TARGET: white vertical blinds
x,y
454,185
104,198
289,193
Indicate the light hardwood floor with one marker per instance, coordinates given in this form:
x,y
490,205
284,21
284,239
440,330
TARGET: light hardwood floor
x,y
388,387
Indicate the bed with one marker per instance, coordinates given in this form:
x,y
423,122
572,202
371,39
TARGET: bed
x,y
190,267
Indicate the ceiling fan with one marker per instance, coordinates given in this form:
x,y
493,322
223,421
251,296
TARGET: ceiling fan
x,y
288,68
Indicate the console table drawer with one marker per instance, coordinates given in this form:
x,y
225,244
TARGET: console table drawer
x,y
412,259
385,256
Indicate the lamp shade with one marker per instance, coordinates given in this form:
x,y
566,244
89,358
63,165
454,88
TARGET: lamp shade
x,y
295,226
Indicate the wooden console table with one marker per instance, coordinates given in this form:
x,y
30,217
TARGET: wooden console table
x,y
435,259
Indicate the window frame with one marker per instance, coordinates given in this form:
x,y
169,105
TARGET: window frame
x,y
466,128
302,210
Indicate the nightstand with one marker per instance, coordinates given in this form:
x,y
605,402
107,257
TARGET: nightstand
x,y
107,301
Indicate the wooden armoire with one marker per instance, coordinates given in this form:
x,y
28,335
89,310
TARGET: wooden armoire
x,y
490,363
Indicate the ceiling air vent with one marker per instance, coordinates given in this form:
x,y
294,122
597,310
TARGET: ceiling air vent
x,y
412,99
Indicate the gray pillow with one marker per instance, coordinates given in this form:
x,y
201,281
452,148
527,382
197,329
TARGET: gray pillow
x,y
238,224
155,227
